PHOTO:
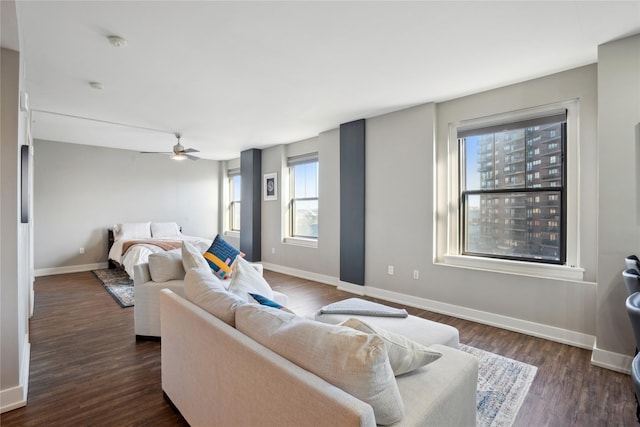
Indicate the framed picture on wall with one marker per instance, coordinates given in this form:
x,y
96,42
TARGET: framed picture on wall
x,y
271,186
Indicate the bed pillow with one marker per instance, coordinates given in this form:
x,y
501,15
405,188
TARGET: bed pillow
x,y
164,229
206,291
405,355
165,266
220,256
351,360
246,279
132,230
192,258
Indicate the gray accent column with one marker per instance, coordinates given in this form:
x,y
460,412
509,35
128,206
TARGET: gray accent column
x,y
352,201
250,209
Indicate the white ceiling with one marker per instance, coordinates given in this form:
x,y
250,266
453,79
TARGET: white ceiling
x,y
237,75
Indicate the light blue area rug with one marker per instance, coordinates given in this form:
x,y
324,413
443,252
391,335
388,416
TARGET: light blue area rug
x,y
503,384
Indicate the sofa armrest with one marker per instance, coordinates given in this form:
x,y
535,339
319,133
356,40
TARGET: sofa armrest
x,y
443,392
141,273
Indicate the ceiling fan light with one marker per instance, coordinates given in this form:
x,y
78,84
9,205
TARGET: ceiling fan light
x,y
178,156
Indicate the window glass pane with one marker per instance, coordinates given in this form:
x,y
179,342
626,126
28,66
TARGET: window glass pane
x,y
305,218
306,180
235,216
236,188
514,225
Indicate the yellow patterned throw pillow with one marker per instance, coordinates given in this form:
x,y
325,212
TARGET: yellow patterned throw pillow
x,y
220,257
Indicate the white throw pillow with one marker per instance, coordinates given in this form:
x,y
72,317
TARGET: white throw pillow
x,y
164,229
205,290
405,355
351,360
132,230
246,279
165,266
192,258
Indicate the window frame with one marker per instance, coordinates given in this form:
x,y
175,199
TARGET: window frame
x,y
535,192
453,256
292,162
232,203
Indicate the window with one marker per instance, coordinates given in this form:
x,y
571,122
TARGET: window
x,y
303,181
234,199
534,198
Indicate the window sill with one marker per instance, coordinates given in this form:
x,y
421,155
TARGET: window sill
x,y
546,271
234,234
301,241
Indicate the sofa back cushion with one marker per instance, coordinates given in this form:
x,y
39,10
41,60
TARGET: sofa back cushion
x,y
246,279
191,257
165,266
351,360
205,290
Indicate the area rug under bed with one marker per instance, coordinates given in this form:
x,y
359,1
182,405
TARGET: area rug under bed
x,y
503,384
119,285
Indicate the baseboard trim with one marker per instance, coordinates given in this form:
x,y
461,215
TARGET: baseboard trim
x,y
316,277
16,397
551,333
70,269
547,332
610,360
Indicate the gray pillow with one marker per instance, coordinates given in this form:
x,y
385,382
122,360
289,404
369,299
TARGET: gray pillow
x,y
165,266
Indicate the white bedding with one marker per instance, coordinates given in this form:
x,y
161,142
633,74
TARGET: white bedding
x,y
139,253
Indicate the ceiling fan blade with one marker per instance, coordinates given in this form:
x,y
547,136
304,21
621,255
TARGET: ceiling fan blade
x,y
191,150
155,152
190,157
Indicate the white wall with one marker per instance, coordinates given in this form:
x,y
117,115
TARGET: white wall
x,y
322,262
550,306
618,189
406,159
15,274
82,190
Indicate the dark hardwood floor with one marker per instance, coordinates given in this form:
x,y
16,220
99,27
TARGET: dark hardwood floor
x,y
88,370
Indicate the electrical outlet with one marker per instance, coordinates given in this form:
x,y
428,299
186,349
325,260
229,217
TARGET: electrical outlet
x,y
416,274
390,269
81,250
273,250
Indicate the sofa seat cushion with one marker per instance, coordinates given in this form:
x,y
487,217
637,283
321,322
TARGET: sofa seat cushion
x,y
423,331
165,266
405,355
205,290
351,360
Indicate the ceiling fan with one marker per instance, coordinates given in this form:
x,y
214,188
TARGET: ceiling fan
x,y
179,152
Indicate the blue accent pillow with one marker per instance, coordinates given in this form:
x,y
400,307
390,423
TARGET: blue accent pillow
x,y
267,302
220,256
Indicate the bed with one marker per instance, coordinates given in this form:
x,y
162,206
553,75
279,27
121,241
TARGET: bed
x,y
132,243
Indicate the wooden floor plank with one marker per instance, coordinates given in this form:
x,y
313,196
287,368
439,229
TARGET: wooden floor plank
x,y
87,369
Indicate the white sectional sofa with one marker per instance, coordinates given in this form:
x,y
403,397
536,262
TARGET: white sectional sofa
x,y
147,296
220,373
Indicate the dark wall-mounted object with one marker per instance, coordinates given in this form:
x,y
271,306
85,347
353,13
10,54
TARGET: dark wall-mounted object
x,y
24,184
352,201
